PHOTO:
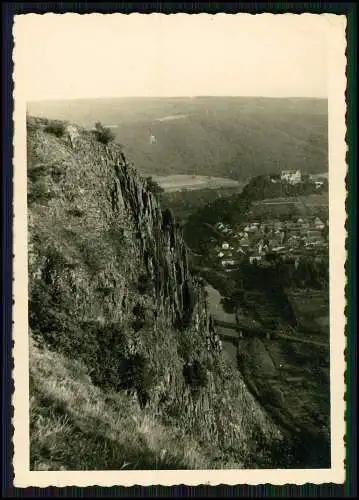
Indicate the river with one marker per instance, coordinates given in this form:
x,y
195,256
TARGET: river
x,y
216,310
216,307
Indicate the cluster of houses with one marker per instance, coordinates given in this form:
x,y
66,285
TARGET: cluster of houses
x,y
255,240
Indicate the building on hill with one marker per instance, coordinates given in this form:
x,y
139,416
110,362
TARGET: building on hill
x,y
278,249
291,176
226,263
314,233
244,242
240,250
318,224
254,258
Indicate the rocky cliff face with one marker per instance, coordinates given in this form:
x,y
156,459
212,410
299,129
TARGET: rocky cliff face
x,y
162,250
110,284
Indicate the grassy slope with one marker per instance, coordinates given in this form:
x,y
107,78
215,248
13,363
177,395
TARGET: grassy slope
x,y
224,137
77,426
299,206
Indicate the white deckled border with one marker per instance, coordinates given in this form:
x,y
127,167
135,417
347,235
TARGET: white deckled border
x,y
335,31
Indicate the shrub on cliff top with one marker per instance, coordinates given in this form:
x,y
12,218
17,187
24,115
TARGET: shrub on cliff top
x,y
103,134
153,186
56,128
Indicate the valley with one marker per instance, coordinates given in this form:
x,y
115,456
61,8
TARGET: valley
x,y
267,275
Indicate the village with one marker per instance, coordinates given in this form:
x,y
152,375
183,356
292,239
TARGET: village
x,y
256,241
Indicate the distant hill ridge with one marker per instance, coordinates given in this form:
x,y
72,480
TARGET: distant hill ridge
x,y
234,137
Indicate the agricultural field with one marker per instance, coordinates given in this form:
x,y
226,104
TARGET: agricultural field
x,y
182,182
310,205
311,308
292,381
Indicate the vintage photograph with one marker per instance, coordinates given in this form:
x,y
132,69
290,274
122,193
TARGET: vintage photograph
x,y
184,216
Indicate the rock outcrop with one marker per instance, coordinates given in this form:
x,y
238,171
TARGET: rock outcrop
x,y
110,284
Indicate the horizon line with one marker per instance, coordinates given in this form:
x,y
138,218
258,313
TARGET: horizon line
x,y
209,96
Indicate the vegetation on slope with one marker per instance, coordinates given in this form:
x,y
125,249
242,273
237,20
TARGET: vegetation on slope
x,y
185,203
78,426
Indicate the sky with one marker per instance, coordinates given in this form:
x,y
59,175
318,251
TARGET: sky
x,y
64,56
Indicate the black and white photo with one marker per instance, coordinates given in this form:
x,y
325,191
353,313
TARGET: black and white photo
x,y
180,196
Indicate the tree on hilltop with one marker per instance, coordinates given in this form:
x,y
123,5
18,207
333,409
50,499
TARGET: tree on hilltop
x,y
103,134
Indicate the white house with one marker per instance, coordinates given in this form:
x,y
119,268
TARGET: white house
x,y
262,248
220,255
225,246
291,176
318,223
255,258
228,262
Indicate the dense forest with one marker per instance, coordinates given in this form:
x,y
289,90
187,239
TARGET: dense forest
x,y
184,203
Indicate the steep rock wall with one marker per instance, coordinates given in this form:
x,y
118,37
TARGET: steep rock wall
x,y
110,284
